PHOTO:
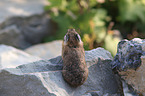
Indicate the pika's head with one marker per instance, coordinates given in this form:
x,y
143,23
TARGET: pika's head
x,y
72,38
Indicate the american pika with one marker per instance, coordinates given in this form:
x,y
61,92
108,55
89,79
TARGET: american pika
x,y
75,71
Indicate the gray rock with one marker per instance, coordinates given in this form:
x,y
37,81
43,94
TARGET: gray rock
x,y
128,90
44,78
98,93
12,36
53,49
130,64
23,22
11,8
22,32
136,78
128,54
11,57
46,50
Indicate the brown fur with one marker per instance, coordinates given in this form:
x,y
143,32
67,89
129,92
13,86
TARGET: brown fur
x,y
75,71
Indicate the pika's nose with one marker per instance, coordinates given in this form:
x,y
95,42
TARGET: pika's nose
x,y
71,29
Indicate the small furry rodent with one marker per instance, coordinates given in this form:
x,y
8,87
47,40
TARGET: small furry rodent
x,y
75,71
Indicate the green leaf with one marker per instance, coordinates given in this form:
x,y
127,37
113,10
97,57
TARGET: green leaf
x,y
55,3
100,24
64,23
92,3
73,6
131,10
111,43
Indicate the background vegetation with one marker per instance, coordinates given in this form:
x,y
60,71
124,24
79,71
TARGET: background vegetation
x,y
101,23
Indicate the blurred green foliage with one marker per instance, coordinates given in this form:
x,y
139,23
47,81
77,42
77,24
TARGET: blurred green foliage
x,y
93,20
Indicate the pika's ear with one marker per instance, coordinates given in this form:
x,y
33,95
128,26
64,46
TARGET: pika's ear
x,y
77,37
66,38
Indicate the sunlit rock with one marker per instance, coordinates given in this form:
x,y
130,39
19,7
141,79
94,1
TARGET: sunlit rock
x,y
44,78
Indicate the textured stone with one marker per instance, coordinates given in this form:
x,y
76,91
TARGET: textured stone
x,y
98,93
11,57
130,64
128,90
136,78
12,36
26,31
46,50
24,22
11,8
44,77
128,54
53,49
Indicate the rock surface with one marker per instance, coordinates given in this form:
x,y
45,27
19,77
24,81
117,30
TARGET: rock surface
x,y
136,78
130,64
44,78
12,36
46,50
24,22
26,31
53,49
11,57
128,54
11,8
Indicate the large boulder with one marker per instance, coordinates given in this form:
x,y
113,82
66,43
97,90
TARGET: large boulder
x,y
11,8
13,36
24,23
129,62
128,54
136,78
46,50
52,49
22,32
11,57
44,77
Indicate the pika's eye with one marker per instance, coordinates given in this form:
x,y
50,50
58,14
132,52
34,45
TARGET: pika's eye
x,y
66,37
78,37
